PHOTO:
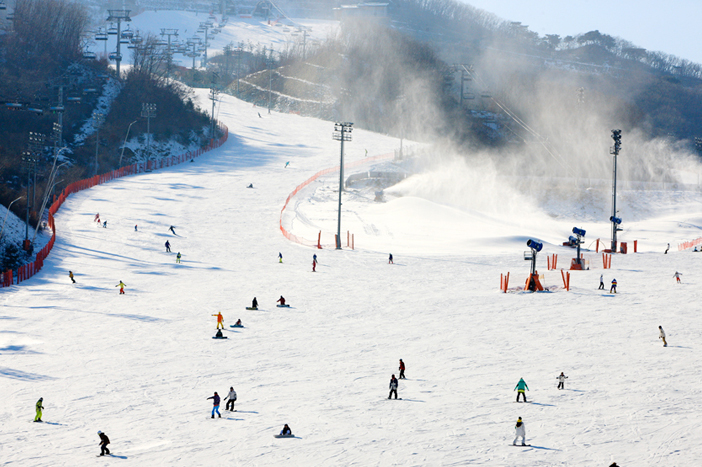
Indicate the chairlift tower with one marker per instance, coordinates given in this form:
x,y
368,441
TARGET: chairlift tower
x,y
617,137
214,92
342,132
269,64
205,27
118,16
169,32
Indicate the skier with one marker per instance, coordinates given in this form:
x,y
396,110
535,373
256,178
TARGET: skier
x,y
259,114
314,257
402,369
168,246
172,229
520,387
220,319
661,335
393,387
104,441
677,276
281,300
280,257
287,164
666,250
39,407
231,396
286,431
254,304
135,228
215,404
390,259
561,380
521,432
121,286
601,282
70,274
314,266
97,217
178,257
104,224
613,289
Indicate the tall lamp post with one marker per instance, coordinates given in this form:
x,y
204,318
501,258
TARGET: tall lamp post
x,y
148,111
617,137
125,142
342,132
97,120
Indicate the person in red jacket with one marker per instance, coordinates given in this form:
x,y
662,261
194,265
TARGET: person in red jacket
x,y
220,320
402,369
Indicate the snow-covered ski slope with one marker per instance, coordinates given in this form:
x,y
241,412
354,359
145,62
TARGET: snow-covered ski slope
x,y
140,366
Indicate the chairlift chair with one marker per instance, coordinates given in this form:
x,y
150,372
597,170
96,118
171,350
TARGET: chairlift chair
x,y
73,99
112,30
3,6
127,33
101,35
89,55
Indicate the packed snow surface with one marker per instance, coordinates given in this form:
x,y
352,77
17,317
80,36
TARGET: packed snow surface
x,y
140,366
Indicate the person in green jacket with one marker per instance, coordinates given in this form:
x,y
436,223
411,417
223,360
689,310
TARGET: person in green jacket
x,y
520,387
40,407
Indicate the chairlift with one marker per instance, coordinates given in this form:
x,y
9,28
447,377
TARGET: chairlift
x,y
35,110
3,6
468,96
89,91
485,95
115,56
56,109
125,41
101,36
112,30
73,99
136,39
161,43
131,46
13,105
89,55
127,33
11,17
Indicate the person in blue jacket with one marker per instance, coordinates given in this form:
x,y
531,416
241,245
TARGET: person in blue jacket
x,y
520,387
215,404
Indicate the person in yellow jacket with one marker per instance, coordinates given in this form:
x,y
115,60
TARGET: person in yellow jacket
x,y
220,320
121,286
40,407
178,257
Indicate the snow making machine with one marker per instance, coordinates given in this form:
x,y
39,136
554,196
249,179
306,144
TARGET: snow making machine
x,y
533,284
577,263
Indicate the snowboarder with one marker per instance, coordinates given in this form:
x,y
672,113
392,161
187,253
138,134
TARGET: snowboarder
x,y
661,335
220,319
97,217
613,289
219,334
121,286
104,224
520,387
70,274
254,304
135,229
601,282
393,387
521,432
238,323
677,276
172,229
402,369
215,404
231,396
259,114
280,257
104,441
286,431
39,407
168,246
287,164
561,380
281,300
178,257
666,249
250,185
390,259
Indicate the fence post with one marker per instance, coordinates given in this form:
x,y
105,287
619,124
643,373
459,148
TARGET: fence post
x,y
352,242
319,240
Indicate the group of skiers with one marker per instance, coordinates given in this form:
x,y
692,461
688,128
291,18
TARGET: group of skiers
x,y
612,289
230,402
393,381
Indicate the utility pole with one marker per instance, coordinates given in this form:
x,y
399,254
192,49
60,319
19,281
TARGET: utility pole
x,y
169,32
98,118
269,64
118,16
213,97
617,137
148,111
342,132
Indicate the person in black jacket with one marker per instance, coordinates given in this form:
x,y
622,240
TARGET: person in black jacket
x,y
393,387
104,441
254,303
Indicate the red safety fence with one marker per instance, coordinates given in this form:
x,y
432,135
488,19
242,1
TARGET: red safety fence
x,y
318,244
690,244
28,270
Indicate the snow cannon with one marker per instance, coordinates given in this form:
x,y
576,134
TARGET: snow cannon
x,y
532,283
577,262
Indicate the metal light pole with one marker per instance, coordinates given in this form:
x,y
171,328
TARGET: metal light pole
x,y
28,161
125,142
6,214
342,132
617,137
213,97
148,111
97,120
269,64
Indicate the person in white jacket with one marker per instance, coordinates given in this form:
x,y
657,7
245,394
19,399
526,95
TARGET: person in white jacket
x,y
521,432
231,398
561,380
661,335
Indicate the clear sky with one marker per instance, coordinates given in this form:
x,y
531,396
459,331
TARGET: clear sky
x,y
672,27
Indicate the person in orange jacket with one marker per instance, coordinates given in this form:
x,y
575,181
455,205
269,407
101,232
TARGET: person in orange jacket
x,y
220,320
